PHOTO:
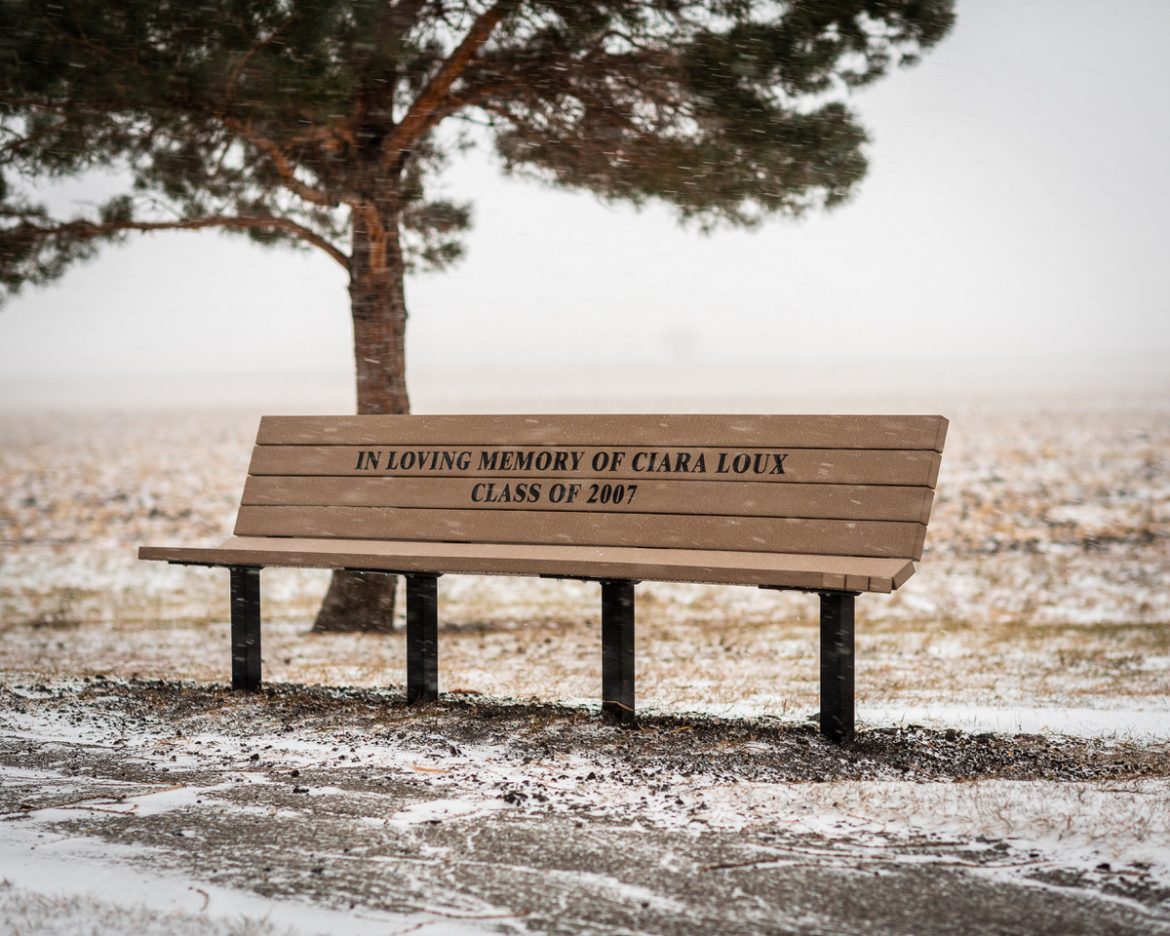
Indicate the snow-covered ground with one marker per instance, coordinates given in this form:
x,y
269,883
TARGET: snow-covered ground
x,y
1041,601
168,807
1041,607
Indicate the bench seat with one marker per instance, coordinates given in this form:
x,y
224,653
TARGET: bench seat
x,y
777,570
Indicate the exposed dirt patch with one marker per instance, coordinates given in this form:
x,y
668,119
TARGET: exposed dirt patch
x,y
770,751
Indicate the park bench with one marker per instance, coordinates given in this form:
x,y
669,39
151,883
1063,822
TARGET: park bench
x,y
835,505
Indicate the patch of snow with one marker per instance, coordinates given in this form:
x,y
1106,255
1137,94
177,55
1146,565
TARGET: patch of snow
x,y
441,810
81,868
1151,724
1071,825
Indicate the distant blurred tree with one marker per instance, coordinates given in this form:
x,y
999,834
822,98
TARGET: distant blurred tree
x,y
312,123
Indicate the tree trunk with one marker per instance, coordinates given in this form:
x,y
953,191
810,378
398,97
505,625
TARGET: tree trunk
x,y
364,601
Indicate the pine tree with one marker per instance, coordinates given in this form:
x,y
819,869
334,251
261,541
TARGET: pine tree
x,y
313,124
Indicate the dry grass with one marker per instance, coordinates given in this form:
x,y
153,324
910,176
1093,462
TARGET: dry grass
x,y
1044,581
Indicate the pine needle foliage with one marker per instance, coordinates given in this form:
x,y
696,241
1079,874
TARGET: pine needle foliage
x,y
276,119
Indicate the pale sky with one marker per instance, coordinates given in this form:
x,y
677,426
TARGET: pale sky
x,y
1013,232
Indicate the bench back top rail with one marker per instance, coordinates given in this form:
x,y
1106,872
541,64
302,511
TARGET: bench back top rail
x,y
827,485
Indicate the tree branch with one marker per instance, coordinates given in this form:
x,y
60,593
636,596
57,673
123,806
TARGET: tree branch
x,y
283,167
88,230
426,110
597,70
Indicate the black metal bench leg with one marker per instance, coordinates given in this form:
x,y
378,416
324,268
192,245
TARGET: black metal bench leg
x,y
422,638
245,627
837,710
617,651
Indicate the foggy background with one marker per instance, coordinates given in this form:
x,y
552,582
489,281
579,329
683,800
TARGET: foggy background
x,y
1010,239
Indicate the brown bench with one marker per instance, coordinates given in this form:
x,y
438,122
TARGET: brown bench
x,y
835,505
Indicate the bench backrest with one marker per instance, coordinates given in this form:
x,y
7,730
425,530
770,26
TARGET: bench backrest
x,y
825,485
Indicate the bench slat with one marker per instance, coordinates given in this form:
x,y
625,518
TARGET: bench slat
x,y
756,534
864,432
716,567
812,466
749,499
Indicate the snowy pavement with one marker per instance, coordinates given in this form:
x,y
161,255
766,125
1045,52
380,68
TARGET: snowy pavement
x,y
186,808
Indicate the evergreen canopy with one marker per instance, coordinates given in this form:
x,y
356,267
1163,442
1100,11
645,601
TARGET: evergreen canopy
x,y
278,118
